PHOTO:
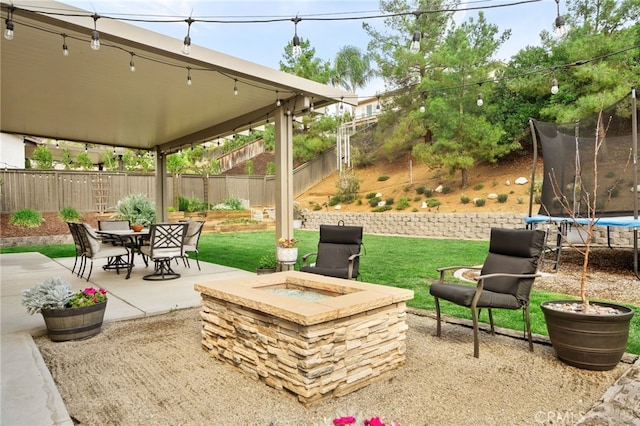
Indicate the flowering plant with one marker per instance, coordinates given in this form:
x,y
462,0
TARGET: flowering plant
x,y
350,420
287,242
56,293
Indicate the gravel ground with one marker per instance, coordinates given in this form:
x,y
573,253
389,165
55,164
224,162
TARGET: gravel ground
x,y
154,371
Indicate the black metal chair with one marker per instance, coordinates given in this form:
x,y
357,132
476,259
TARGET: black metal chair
x,y
505,280
191,239
338,252
77,241
113,225
166,243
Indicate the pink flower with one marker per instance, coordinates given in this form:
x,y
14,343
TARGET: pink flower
x,y
374,421
344,421
102,290
90,290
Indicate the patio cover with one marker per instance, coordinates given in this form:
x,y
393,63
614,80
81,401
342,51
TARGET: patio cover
x,y
93,97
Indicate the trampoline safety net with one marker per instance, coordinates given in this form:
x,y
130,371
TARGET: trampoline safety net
x,y
568,151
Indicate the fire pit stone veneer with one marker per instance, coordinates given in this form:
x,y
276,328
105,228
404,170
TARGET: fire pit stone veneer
x,y
315,348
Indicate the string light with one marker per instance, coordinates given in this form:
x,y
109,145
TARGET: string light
x,y
341,103
8,32
559,22
422,108
95,35
311,106
417,36
235,87
65,48
378,104
132,66
188,76
57,145
479,101
186,47
296,50
86,148
554,86
278,103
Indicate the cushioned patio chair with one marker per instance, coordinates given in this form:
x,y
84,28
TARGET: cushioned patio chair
x,y
191,239
94,249
166,242
338,252
505,279
77,241
113,225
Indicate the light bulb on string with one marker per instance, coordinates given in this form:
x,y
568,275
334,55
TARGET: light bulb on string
x,y
189,76
132,66
95,35
65,48
422,108
8,32
186,46
479,101
311,105
278,103
417,36
86,148
235,87
559,23
296,49
554,86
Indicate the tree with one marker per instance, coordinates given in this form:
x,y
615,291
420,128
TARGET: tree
x,y
84,162
461,134
67,158
352,69
43,157
305,65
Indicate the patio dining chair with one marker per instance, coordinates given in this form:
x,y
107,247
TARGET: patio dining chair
x,y
166,242
338,252
77,241
505,279
191,239
94,249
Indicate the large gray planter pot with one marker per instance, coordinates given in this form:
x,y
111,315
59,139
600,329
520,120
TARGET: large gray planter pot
x,y
588,341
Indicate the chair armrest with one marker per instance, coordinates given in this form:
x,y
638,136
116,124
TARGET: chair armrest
x,y
483,277
449,268
353,256
306,256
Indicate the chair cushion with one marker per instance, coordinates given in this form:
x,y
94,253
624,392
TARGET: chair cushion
x,y
193,233
341,234
332,255
93,239
463,295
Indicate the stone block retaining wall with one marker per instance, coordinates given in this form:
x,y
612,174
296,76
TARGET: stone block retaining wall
x,y
469,226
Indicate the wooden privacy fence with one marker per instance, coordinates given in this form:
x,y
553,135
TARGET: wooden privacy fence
x,y
51,190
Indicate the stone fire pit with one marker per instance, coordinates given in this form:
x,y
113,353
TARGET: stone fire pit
x,y
316,337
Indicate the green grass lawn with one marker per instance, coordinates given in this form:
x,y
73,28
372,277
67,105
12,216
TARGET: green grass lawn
x,y
404,262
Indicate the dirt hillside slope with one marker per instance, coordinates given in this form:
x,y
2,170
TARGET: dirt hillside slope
x,y
405,178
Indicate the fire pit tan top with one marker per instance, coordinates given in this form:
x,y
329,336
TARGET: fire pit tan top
x,y
304,298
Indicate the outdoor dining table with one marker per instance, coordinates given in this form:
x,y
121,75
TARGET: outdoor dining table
x,y
130,239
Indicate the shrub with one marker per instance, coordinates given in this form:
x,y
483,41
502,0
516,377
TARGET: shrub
x,y
26,218
403,203
417,198
428,192
420,189
519,200
382,178
433,202
478,187
370,195
69,214
248,168
479,202
464,199
373,202
271,168
415,209
317,207
446,189
348,187
389,201
380,209
359,202
334,200
406,188
502,198
137,209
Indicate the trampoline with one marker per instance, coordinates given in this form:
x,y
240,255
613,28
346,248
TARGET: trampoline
x,y
569,173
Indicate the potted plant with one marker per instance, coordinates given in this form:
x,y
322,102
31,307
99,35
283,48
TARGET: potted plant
x,y
138,209
586,334
68,315
267,264
287,252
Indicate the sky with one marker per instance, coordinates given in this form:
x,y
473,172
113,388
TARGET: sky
x,y
264,43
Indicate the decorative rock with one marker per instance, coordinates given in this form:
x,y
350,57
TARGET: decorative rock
x,y
382,203
438,189
508,182
424,205
337,207
379,195
521,181
492,196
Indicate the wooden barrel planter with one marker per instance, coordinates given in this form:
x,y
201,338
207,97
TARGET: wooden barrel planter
x,y
588,341
74,323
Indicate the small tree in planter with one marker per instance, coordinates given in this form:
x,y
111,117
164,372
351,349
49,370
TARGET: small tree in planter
x,y
586,335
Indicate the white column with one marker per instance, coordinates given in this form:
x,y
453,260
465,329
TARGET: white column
x,y
284,175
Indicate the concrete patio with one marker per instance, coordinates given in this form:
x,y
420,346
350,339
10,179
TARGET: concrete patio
x,y
29,395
